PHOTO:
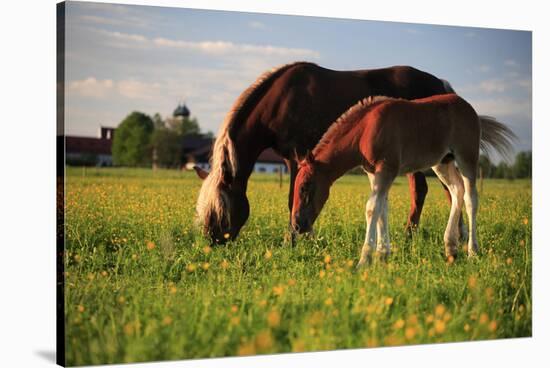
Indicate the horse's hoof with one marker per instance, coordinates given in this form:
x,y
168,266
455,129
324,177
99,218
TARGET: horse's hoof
x,y
451,250
383,256
472,254
363,262
290,238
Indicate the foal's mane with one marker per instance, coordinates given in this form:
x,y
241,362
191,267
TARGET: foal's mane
x,y
347,118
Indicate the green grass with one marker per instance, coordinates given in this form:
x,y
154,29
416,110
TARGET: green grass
x,y
142,284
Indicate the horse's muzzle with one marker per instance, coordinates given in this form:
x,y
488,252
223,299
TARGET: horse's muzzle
x,y
301,225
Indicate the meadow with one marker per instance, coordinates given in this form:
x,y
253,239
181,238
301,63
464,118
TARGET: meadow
x,y
141,283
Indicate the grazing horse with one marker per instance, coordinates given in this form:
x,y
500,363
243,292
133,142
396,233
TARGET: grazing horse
x,y
388,137
289,109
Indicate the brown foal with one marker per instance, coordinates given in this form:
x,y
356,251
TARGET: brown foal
x,y
388,137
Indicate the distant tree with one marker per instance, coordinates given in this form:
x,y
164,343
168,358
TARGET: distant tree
x,y
157,121
166,144
485,166
522,165
183,126
501,171
131,143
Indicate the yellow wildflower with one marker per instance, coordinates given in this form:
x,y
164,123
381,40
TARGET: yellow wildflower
x,y
439,310
472,282
167,321
439,326
278,290
248,348
264,341
410,333
399,324
483,319
224,265
273,318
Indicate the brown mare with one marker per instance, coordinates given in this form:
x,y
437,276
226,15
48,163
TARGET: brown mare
x,y
289,109
388,137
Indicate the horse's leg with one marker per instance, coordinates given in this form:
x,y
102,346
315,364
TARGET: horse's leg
x,y
293,170
461,225
380,183
368,212
448,174
468,172
383,236
418,188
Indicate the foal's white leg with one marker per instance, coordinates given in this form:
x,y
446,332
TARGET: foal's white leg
x,y
369,209
449,175
383,235
380,183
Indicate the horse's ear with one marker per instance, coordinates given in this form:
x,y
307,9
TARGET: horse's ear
x,y
200,172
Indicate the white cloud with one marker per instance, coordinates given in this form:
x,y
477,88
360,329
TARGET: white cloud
x,y
511,63
107,88
257,25
510,82
503,107
138,90
128,37
224,47
216,47
91,87
113,14
483,68
494,85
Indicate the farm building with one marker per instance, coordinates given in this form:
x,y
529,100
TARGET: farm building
x,y
90,151
268,161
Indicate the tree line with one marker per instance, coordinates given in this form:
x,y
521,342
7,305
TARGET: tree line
x,y
141,140
521,167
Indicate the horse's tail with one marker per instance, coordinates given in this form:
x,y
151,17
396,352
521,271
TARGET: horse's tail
x,y
496,136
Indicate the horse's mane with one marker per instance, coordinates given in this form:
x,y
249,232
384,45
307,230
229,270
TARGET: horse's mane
x,y
347,118
223,160
224,150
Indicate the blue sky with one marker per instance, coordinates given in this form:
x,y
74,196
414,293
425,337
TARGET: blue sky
x,y
122,58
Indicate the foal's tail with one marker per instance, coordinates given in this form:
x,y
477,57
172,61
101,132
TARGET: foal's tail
x,y
497,136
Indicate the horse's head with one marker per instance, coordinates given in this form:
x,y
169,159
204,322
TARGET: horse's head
x,y
311,190
222,207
